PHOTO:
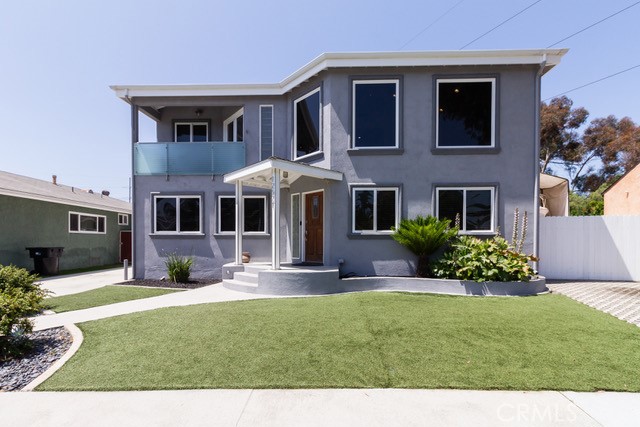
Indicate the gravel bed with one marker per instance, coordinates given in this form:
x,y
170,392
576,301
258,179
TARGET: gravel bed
x,y
191,284
48,346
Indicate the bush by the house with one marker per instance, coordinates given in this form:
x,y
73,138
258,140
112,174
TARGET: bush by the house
x,y
424,236
484,260
20,297
179,267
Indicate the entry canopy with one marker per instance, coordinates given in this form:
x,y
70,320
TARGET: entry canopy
x,y
260,174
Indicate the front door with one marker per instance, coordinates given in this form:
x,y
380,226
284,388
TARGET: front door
x,y
313,227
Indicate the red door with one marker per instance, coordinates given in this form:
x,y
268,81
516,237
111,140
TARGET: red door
x,y
313,227
125,246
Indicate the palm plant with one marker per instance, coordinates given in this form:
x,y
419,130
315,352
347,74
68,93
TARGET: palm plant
x,y
424,236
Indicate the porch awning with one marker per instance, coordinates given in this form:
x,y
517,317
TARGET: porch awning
x,y
261,174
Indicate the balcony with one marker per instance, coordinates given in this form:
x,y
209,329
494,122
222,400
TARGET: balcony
x,y
187,158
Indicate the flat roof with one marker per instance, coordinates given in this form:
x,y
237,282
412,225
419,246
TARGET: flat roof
x,y
548,57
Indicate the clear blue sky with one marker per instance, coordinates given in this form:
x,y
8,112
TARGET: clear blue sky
x,y
58,115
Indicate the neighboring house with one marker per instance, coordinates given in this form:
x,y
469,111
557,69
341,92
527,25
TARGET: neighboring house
x,y
319,167
93,228
623,197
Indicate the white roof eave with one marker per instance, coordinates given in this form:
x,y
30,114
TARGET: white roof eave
x,y
265,168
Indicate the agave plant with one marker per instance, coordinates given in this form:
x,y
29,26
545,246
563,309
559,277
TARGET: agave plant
x,y
424,236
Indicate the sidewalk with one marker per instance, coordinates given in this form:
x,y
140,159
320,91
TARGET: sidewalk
x,y
75,283
337,407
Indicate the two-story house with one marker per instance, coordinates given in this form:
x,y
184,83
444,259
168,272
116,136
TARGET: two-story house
x,y
319,167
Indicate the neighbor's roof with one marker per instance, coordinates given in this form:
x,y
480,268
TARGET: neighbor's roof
x,y
37,189
548,57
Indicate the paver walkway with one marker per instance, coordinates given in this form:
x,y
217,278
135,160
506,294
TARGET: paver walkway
x,y
330,407
620,299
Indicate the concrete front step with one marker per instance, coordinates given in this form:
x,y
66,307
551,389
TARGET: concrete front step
x,y
240,285
256,268
246,277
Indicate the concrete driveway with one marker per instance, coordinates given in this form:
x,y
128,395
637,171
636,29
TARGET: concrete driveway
x,y
75,283
620,299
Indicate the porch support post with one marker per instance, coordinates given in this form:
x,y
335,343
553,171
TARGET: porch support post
x,y
275,219
239,210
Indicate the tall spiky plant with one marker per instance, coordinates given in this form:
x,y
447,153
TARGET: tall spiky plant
x,y
424,236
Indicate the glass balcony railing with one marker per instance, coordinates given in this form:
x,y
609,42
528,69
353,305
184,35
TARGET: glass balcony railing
x,y
188,158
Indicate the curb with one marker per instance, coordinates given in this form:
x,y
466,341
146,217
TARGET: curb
x,y
77,336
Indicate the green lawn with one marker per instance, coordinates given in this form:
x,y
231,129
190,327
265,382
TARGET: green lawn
x,y
101,296
360,340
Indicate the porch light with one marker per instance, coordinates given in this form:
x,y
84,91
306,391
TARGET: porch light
x,y
198,112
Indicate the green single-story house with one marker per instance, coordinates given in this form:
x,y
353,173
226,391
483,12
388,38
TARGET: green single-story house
x,y
93,228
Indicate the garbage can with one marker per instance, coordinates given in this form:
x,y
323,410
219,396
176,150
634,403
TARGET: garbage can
x,y
46,260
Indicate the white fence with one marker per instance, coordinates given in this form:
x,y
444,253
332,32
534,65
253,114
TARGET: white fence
x,y
590,247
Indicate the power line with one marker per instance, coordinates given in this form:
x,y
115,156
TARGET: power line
x,y
431,24
501,24
594,82
593,25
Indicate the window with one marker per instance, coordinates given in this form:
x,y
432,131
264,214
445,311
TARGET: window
x,y
295,225
254,216
177,214
266,131
123,219
474,205
191,132
465,112
87,223
375,113
375,210
306,124
233,127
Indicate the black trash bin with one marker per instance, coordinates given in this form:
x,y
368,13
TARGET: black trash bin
x,y
46,261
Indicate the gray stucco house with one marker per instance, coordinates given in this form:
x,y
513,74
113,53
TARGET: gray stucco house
x,y
318,167
93,228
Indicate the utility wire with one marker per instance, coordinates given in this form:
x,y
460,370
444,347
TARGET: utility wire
x,y
594,24
431,24
594,82
501,24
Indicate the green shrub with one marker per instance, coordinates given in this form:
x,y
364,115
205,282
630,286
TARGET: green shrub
x,y
424,236
20,297
484,260
179,267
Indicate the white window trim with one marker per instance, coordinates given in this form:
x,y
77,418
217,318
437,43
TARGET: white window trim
x,y
244,233
232,118
493,111
375,210
353,113
123,219
295,124
96,216
177,197
260,125
175,129
463,220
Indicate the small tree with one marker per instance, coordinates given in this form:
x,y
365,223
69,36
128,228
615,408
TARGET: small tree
x,y
20,297
424,236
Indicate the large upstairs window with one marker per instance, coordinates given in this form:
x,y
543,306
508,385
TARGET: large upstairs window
x,y
376,111
233,127
465,113
306,124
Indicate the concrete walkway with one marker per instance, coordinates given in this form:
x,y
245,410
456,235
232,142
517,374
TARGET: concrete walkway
x,y
75,283
207,294
333,407
620,299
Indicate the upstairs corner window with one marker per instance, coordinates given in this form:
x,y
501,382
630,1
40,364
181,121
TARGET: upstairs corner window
x,y
191,132
177,214
375,210
465,112
266,131
474,206
233,127
375,113
87,223
306,122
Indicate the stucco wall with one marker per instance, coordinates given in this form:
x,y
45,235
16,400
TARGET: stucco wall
x,y
624,197
27,223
